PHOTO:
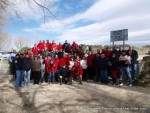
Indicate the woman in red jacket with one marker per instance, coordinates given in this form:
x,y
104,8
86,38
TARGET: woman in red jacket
x,y
47,64
76,71
52,68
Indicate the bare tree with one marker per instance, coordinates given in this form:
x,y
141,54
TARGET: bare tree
x,y
21,42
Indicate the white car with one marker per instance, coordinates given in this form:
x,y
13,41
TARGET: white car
x,y
4,55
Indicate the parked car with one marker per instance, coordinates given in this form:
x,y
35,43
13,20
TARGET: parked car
x,y
4,55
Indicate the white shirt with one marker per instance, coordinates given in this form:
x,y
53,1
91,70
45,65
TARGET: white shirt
x,y
71,64
83,63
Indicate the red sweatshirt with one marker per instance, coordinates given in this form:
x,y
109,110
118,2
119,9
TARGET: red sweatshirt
x,y
79,71
40,46
90,59
35,50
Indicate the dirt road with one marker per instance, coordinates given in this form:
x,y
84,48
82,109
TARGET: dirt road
x,y
86,98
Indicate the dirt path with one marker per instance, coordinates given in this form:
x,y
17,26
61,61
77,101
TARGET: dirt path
x,y
87,98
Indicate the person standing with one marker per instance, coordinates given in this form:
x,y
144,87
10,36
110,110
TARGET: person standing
x,y
103,69
114,67
18,72
28,67
83,64
124,62
36,69
133,67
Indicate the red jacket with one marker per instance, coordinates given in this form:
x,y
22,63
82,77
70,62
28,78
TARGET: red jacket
x,y
90,60
67,60
52,68
62,62
48,44
79,71
74,45
35,50
107,54
40,46
59,47
56,62
78,62
47,65
53,45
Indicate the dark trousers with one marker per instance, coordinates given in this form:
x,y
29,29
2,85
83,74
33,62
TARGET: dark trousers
x,y
91,73
36,77
46,77
84,76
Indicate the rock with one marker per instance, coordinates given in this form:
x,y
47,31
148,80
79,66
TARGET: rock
x,y
4,67
5,78
146,58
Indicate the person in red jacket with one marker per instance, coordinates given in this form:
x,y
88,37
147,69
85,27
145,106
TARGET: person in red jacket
x,y
107,53
35,50
30,53
47,64
76,71
53,45
56,62
48,44
62,61
74,46
52,68
68,58
90,61
59,47
40,47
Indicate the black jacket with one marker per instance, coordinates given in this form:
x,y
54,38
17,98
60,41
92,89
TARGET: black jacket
x,y
103,63
134,56
114,63
28,64
64,72
20,65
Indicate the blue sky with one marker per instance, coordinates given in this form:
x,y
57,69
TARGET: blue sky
x,y
83,21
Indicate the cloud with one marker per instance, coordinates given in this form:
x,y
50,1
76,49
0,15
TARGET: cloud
x,y
106,15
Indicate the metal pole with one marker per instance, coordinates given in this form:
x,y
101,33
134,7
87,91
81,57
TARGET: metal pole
x,y
113,43
123,44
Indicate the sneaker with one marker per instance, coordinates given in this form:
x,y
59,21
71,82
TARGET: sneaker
x,y
130,85
121,84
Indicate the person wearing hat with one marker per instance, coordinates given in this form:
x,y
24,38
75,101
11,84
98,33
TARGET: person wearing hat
x,y
124,62
76,71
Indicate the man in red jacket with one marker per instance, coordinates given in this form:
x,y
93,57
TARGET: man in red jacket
x,y
76,71
48,44
59,47
74,46
90,61
35,50
40,47
107,53
53,45
62,61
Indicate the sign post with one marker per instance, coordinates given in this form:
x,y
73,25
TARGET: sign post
x,y
119,35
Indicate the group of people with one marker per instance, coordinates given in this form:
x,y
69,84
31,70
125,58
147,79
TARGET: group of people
x,y
52,63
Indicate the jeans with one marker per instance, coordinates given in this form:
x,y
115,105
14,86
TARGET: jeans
x,y
51,77
19,78
27,77
104,76
133,70
126,71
